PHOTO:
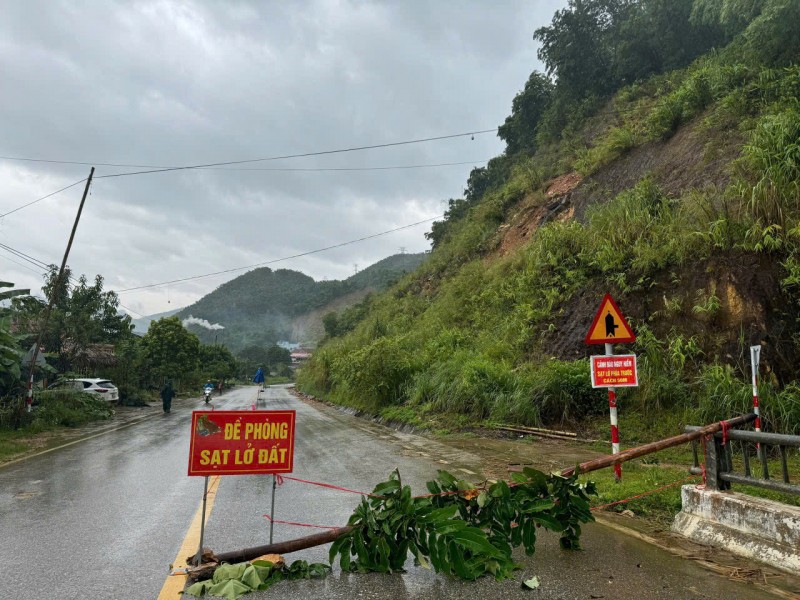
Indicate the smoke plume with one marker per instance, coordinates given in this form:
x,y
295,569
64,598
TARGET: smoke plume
x,y
202,323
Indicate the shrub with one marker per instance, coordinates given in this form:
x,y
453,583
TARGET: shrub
x,y
466,383
563,390
375,374
70,409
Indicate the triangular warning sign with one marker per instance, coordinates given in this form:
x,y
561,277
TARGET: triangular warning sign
x,y
609,325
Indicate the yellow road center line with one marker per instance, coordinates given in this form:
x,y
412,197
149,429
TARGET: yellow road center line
x,y
174,584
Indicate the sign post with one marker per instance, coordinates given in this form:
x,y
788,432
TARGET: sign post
x,y
755,361
610,326
240,443
198,558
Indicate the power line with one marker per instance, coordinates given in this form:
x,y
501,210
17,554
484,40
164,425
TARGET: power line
x,y
41,264
24,266
42,198
161,169
269,262
303,155
25,257
323,169
276,169
286,169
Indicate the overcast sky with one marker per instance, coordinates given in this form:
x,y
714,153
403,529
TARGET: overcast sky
x,y
180,83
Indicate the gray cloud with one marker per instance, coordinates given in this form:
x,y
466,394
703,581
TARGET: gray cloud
x,y
174,83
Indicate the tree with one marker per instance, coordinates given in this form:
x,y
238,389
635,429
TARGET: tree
x,y
10,354
579,46
217,363
732,15
169,350
331,320
658,36
82,315
519,129
277,357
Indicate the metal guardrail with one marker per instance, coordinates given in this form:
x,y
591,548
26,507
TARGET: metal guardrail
x,y
719,469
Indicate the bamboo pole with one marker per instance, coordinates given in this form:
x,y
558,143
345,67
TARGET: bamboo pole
x,y
677,440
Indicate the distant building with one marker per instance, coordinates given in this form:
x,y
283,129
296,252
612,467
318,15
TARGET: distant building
x,y
299,356
289,345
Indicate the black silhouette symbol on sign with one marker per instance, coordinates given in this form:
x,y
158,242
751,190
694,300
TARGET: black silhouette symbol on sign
x,y
611,326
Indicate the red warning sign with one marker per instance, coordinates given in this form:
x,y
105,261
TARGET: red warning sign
x,y
614,371
609,325
239,442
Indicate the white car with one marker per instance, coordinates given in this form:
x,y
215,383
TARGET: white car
x,y
102,388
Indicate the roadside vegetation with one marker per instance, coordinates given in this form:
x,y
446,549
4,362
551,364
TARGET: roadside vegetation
x,y
86,336
678,123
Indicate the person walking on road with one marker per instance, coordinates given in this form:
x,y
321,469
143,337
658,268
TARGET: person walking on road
x,y
259,378
167,394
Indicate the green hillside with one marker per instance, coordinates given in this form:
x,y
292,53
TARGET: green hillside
x,y
259,307
658,160
142,324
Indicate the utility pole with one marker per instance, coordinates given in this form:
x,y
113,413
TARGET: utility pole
x,y
355,266
402,249
59,277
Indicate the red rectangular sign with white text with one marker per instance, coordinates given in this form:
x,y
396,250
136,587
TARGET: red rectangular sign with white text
x,y
239,442
614,371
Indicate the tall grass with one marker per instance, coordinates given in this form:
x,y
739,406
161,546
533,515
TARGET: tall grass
x,y
771,161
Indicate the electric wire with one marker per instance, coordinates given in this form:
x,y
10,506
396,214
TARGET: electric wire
x,y
19,264
300,155
161,169
41,264
276,260
276,169
42,198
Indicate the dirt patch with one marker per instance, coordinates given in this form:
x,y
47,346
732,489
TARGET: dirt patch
x,y
531,215
564,184
689,159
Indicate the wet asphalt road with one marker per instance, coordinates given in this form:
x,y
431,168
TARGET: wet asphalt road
x,y
105,517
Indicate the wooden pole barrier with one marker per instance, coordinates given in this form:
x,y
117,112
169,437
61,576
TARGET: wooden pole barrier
x,y
283,547
631,453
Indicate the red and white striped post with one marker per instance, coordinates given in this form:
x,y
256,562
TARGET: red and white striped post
x,y
612,409
755,360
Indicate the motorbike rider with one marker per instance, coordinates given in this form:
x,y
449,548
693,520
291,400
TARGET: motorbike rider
x,y
207,389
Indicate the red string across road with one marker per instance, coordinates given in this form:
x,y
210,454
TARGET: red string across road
x,y
281,479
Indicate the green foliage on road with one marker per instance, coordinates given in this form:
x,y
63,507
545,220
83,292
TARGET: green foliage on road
x,y
236,580
456,529
460,530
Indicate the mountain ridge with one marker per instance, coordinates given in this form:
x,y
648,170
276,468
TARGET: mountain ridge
x,y
264,306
